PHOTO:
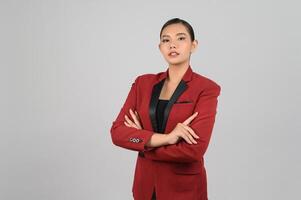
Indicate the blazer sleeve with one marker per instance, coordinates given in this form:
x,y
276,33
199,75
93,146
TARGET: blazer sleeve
x,y
202,125
128,137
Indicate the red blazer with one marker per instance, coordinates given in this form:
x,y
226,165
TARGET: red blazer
x,y
176,171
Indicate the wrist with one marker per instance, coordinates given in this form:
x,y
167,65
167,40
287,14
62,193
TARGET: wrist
x,y
167,139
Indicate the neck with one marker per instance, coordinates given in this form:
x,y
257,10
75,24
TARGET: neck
x,y
176,72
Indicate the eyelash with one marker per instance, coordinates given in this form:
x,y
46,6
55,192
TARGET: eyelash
x,y
179,38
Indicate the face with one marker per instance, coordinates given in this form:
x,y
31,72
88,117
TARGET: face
x,y
176,45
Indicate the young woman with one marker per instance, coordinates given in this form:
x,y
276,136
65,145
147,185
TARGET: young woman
x,y
168,119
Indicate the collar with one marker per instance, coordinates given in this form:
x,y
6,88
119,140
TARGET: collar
x,y
186,77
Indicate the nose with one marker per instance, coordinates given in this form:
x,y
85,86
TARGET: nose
x,y
172,45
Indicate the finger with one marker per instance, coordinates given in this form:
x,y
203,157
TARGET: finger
x,y
129,121
189,119
135,126
137,114
186,138
191,131
134,118
184,134
187,134
191,138
126,124
138,117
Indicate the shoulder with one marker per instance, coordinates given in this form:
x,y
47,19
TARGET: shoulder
x,y
147,77
143,80
150,75
207,83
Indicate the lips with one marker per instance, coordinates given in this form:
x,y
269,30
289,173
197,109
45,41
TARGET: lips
x,y
173,53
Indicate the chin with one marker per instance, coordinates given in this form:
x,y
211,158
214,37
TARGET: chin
x,y
175,62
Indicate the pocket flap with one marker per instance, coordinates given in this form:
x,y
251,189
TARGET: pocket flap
x,y
187,168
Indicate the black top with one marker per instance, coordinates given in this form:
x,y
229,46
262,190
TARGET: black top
x,y
159,118
160,113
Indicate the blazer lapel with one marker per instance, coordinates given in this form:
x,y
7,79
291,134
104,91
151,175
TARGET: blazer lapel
x,y
156,93
179,90
153,104
154,101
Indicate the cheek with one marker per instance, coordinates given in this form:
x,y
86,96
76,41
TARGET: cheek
x,y
187,49
164,51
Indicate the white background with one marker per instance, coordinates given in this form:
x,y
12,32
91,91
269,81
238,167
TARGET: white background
x,y
67,66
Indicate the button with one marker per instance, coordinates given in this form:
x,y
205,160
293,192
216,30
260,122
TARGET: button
x,y
135,140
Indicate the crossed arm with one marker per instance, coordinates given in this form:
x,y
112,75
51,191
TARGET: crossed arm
x,y
156,139
128,133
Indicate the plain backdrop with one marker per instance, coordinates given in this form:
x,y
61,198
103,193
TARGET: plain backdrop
x,y
67,67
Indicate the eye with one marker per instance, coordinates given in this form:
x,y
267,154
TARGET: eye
x,y
182,38
165,40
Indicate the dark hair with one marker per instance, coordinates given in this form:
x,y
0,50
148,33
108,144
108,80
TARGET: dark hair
x,y
179,21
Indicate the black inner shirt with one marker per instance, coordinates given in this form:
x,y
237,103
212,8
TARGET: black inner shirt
x,y
160,113
162,103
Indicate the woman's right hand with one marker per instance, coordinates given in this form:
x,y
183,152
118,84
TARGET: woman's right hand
x,y
182,130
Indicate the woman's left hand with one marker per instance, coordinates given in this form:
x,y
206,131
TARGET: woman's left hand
x,y
136,123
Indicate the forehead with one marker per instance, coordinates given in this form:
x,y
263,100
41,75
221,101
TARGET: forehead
x,y
174,30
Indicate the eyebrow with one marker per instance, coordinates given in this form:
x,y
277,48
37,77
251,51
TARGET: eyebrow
x,y
176,34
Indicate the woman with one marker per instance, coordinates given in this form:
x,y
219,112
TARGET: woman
x,y
168,119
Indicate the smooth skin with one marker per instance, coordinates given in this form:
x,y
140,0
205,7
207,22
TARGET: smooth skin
x,y
174,37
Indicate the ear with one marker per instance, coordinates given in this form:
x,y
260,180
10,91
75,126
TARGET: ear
x,y
194,46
